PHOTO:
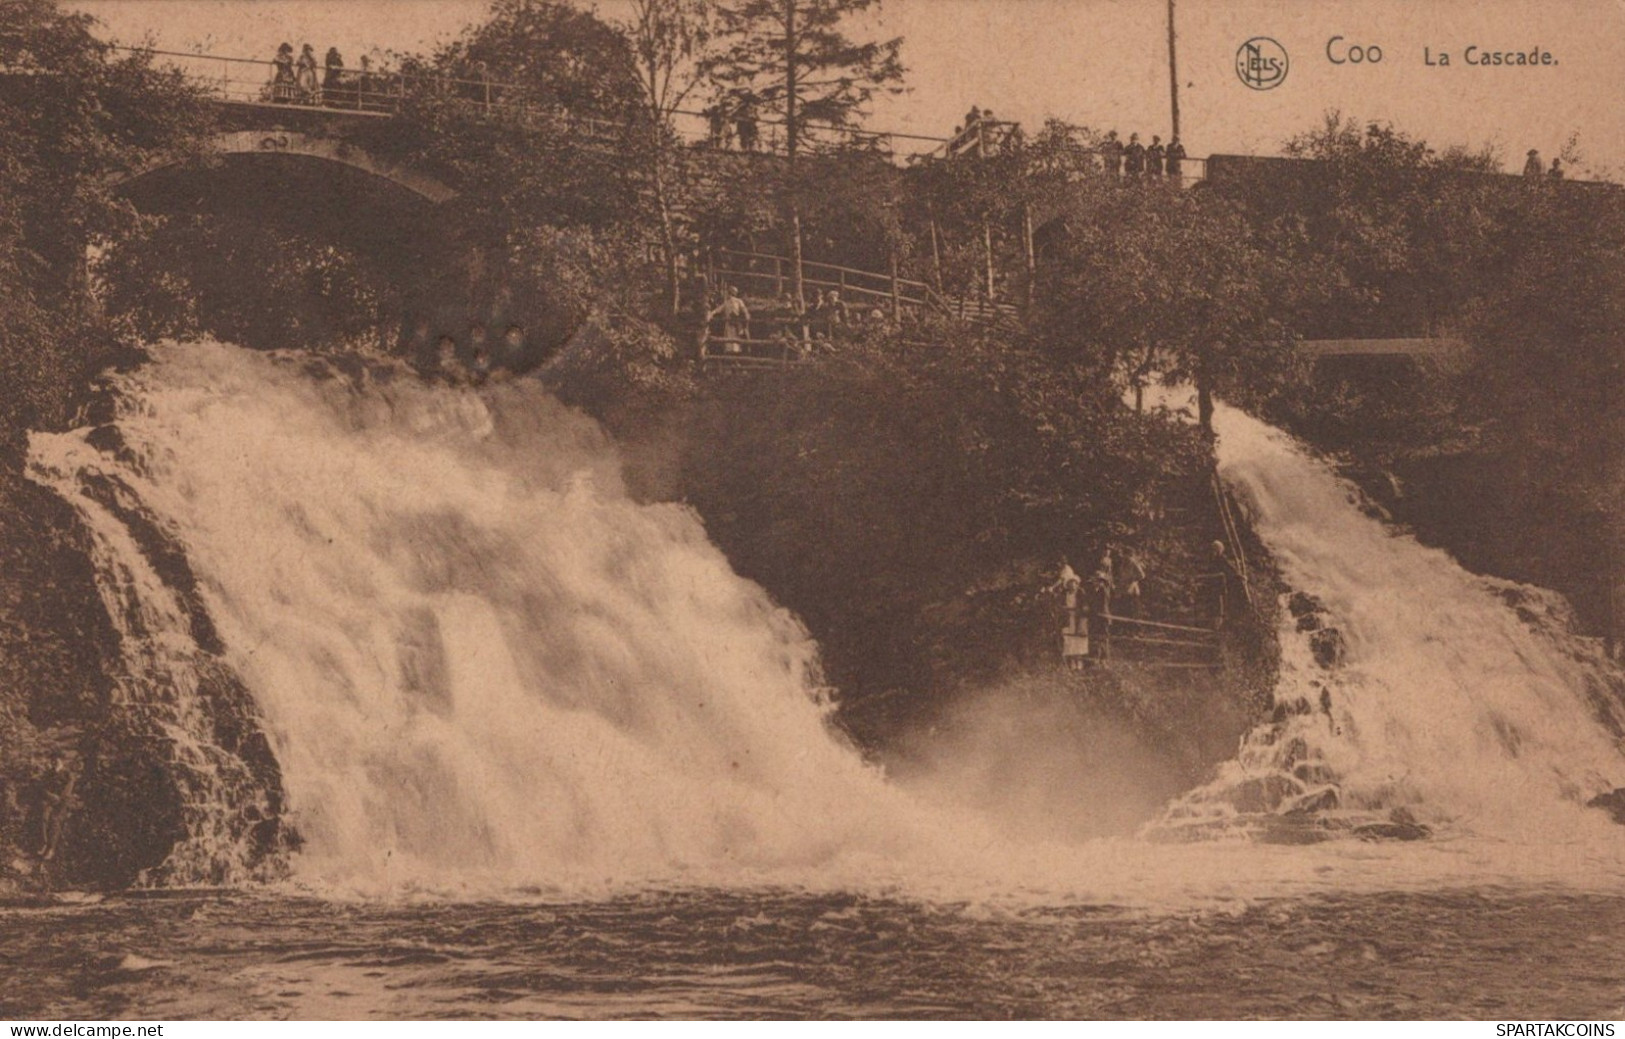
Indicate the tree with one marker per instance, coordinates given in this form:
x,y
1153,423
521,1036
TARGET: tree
x,y
75,115
1157,282
793,59
669,40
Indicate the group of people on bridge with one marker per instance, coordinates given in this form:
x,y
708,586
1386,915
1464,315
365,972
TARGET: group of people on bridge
x,y
1136,161
295,81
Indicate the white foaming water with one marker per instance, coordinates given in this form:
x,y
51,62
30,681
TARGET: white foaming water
x,y
479,661
484,668
1465,700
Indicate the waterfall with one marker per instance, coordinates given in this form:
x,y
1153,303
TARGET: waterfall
x,y
1411,690
477,659
423,634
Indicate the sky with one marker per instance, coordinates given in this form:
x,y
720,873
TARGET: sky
x,y
1104,63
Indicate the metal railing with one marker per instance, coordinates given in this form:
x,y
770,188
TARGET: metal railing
x,y
1152,643
770,276
357,91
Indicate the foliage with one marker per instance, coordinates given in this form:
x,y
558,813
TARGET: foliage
x,y
907,502
1151,281
548,147
246,281
74,115
793,59
1395,234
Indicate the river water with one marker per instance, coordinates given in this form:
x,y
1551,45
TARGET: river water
x,y
1489,953
547,755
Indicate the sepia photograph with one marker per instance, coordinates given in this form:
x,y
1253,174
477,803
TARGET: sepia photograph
x,y
812,510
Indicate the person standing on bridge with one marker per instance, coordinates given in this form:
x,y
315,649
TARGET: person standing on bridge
x,y
333,76
1219,586
1153,157
282,78
1134,157
1111,153
306,75
1173,159
1100,609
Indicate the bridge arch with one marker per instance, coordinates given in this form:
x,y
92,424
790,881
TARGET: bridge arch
x,y
318,147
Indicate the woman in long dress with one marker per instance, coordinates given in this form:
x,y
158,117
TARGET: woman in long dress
x,y
282,79
307,75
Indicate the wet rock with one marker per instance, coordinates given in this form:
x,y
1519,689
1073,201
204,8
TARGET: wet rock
x,y
1325,799
1327,647
1401,826
1302,604
1613,802
1264,793
1295,751
1314,773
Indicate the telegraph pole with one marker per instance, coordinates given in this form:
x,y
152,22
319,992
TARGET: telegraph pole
x,y
1173,70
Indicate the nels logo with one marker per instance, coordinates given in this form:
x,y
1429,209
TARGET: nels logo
x,y
1261,63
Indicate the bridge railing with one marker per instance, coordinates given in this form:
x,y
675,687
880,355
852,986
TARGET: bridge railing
x,y
380,92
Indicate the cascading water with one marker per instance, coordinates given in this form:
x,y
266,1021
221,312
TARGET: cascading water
x,y
479,662
482,667
1442,696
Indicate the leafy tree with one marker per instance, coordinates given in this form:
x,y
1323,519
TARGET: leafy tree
x,y
245,280
75,115
794,59
529,112
907,504
1398,231
1156,282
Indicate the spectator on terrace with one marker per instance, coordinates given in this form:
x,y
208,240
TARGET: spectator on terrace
x,y
1134,157
1532,166
735,320
305,73
283,83
1111,153
1173,159
1154,156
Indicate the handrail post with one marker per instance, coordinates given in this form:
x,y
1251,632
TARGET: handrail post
x,y
896,301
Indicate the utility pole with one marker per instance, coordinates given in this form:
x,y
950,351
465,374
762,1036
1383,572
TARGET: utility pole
x,y
792,142
1173,70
